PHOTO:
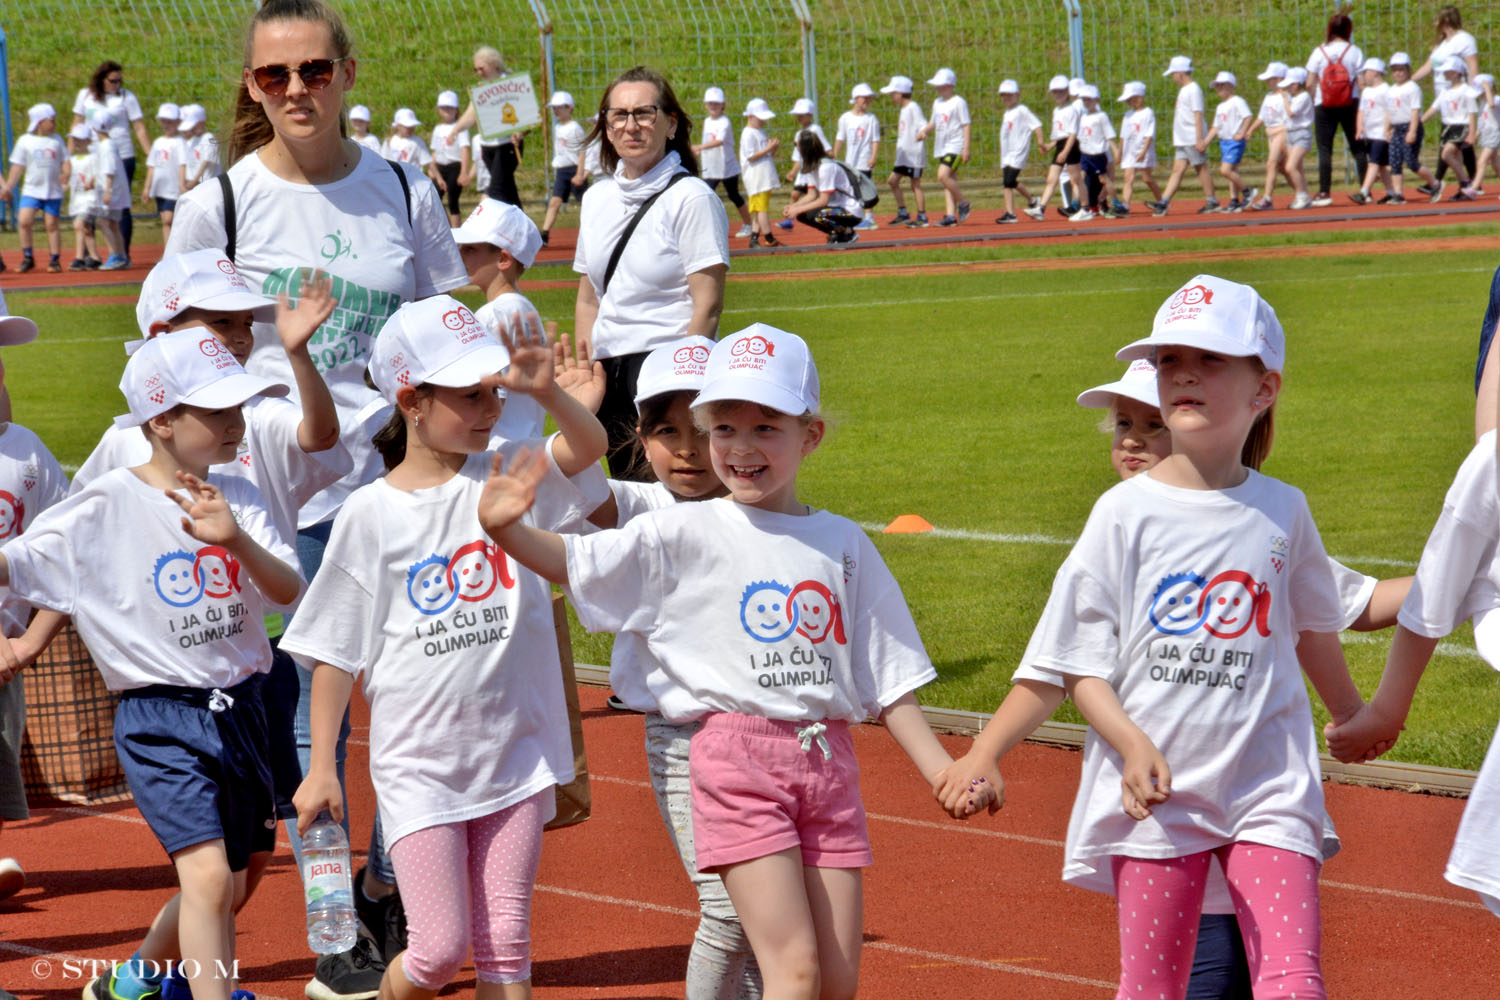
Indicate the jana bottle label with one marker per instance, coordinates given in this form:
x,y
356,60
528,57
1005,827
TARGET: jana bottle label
x,y
324,878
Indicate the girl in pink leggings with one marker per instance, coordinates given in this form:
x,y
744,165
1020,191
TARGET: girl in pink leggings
x,y
1177,624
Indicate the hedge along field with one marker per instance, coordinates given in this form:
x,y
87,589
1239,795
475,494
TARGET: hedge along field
x,y
951,396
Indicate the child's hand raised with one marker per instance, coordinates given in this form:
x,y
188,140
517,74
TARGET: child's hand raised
x,y
510,491
315,303
577,374
1145,781
531,361
209,518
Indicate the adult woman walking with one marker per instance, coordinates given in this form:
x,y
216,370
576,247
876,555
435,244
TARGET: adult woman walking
x,y
1333,78
304,196
663,278
1452,41
501,156
106,89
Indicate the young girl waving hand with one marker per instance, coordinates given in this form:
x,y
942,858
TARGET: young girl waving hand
x,y
468,728
777,626
1177,624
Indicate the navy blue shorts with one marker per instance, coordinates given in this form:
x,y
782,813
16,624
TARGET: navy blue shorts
x,y
166,204
562,184
1487,328
278,696
196,774
1095,163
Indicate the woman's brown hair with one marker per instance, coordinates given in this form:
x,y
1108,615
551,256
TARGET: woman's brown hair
x,y
668,107
251,129
1448,17
1340,27
96,82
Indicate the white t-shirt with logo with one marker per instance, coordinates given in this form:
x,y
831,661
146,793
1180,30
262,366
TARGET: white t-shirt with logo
x,y
522,417
1189,100
1299,110
719,162
1064,121
445,152
948,121
832,180
1094,133
1272,111
354,229
455,643
200,155
1402,100
759,175
567,144
167,155
43,157
1460,44
153,604
1189,602
30,482
859,133
1455,105
745,610
82,184
1016,129
910,151
1137,130
1230,116
406,149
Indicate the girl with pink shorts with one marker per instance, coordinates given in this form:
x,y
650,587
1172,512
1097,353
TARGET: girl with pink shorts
x,y
777,626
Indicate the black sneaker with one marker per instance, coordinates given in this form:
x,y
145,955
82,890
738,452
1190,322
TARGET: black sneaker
x,y
1461,196
1429,189
963,211
1359,198
1209,205
350,975
1395,199
27,264
78,265
93,263
901,219
384,919
613,701
1007,219
1068,211
545,236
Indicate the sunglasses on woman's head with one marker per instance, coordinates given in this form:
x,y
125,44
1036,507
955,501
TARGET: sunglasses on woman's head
x,y
315,74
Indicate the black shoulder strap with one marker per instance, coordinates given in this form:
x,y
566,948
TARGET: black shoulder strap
x,y
614,258
229,218
405,190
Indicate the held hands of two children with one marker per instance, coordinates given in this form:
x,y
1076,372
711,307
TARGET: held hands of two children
x,y
968,786
1369,733
315,303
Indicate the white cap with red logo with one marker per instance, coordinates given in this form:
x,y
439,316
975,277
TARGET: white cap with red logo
x,y
675,367
14,329
761,364
198,279
504,226
1138,383
435,341
1216,315
191,367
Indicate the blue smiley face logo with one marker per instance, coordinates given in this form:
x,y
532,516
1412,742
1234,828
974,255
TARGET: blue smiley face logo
x,y
766,613
176,583
427,586
1174,607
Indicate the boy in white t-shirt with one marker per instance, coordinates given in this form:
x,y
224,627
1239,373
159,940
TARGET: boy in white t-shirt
x,y
951,133
44,159
403,145
1372,124
758,165
860,130
1096,142
1231,125
1062,146
1137,142
450,156
799,177
569,179
1017,129
717,161
162,168
359,128
83,206
1187,130
200,152
911,152
1458,112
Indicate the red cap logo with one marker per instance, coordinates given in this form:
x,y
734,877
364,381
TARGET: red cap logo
x,y
1192,295
696,352
227,267
211,348
753,345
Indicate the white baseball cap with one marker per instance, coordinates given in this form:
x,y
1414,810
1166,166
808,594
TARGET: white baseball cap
x,y
1058,82
761,364
899,85
1215,315
191,367
1399,59
1374,65
447,99
1135,88
860,90
803,107
14,329
359,113
1484,78
1138,383
1455,65
103,119
198,279
81,132
169,111
434,341
675,367
1179,64
38,113
1295,75
406,117
192,114
1226,77
760,109
504,226
944,77
1009,87
560,98
714,95
1088,92
1075,85
1274,71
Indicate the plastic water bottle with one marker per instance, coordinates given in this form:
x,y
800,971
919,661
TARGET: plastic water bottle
x,y
331,921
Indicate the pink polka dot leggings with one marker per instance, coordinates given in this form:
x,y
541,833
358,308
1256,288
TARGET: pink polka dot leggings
x,y
471,882
1275,893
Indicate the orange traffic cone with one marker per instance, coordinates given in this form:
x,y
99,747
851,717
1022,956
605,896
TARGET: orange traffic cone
x,y
908,524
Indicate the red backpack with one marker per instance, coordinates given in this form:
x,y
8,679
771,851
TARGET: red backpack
x,y
1336,86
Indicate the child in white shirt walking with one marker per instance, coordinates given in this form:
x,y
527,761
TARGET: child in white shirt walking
x,y
1187,131
403,145
758,165
450,156
1459,113
1137,142
1062,146
1096,137
1298,103
717,161
163,184
200,151
1488,139
1372,125
1232,121
1017,129
951,131
911,152
111,187
569,178
1404,119
42,157
359,128
83,204
859,135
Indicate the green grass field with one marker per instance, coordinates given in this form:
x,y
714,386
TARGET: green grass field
x,y
951,397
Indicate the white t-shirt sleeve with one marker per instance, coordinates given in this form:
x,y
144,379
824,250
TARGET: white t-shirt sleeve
x,y
702,233
435,256
333,625
1456,575
43,569
1355,590
133,107
1315,595
615,577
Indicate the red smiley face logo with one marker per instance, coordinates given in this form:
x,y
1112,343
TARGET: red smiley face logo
x,y
1193,295
457,319
227,267
211,348
696,353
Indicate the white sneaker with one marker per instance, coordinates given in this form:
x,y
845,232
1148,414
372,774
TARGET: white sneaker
x,y
1321,202
744,232
1036,212
1301,201
12,878
1082,215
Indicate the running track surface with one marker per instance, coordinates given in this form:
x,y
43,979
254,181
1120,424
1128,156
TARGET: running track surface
x,y
953,910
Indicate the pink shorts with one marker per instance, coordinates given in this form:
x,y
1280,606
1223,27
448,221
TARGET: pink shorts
x,y
756,791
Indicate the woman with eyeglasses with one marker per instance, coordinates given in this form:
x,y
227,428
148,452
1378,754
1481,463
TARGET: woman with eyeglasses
x,y
668,281
106,89
307,197
502,157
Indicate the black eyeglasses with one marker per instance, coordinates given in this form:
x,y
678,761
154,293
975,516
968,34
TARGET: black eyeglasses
x,y
114,79
644,116
315,74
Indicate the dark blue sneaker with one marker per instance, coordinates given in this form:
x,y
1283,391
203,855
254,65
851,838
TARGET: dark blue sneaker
x,y
175,987
963,211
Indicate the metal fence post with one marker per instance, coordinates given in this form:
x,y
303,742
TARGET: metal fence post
x,y
809,50
5,131
1074,10
549,83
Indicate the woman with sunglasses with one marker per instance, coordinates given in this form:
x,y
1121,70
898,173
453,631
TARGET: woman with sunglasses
x,y
669,280
106,89
307,197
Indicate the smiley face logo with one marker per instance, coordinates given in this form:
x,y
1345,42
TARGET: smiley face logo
x,y
766,613
217,571
1232,602
12,514
427,585
1192,295
1174,606
818,613
227,267
175,581
693,354
476,569
211,347
457,319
